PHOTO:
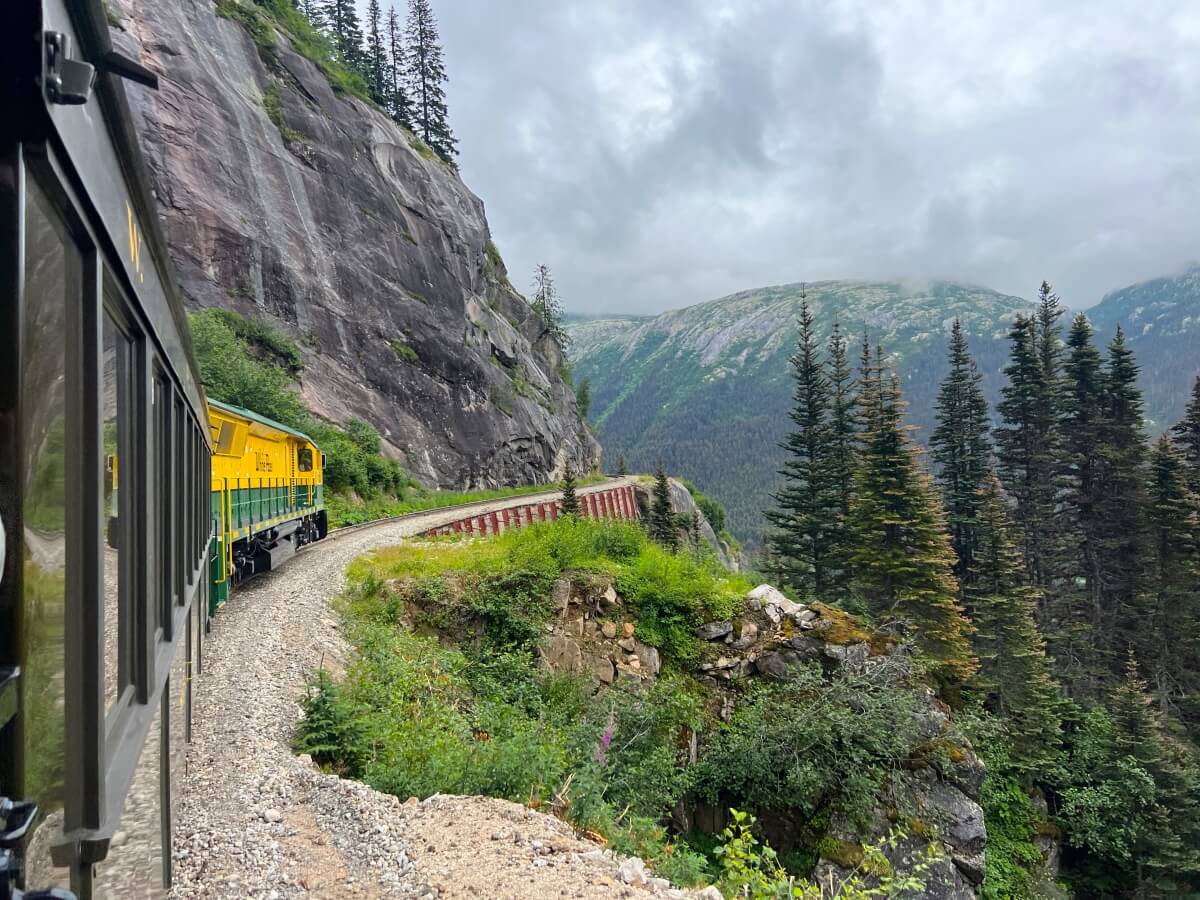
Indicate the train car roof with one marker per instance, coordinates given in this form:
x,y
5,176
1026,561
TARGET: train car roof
x,y
262,420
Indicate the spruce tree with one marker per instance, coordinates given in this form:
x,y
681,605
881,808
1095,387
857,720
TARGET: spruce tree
x,y
662,520
1027,445
376,62
425,78
622,468
694,529
902,559
1122,500
802,505
961,450
547,306
841,436
341,19
1167,843
1014,671
1075,625
1186,434
397,95
1171,604
569,503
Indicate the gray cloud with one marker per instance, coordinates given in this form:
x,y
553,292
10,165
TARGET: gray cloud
x,y
659,154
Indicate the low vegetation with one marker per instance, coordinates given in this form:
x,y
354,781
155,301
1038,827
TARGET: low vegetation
x,y
445,695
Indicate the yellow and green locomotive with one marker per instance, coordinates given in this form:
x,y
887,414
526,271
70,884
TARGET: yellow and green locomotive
x,y
267,495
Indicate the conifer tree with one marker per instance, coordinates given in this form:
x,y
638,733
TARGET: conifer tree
x,y
376,62
1014,671
397,94
314,12
569,503
961,449
694,529
1186,434
583,397
839,465
1168,840
622,468
1122,501
662,520
803,505
1079,618
425,78
341,19
902,559
1027,445
1171,605
547,306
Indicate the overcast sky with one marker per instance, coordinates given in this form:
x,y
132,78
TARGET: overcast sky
x,y
657,153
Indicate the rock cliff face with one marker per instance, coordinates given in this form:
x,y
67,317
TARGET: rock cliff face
x,y
285,200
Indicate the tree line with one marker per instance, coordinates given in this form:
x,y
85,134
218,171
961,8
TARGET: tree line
x,y
1049,574
403,66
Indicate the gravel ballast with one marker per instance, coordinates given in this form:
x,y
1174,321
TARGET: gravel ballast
x,y
253,820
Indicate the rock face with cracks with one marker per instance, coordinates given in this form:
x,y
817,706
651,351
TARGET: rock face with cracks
x,y
289,202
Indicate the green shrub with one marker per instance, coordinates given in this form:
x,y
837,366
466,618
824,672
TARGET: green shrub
x,y
821,744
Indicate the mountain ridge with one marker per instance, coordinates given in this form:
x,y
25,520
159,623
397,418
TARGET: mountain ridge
x,y
687,386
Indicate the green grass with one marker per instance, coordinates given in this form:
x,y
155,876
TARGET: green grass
x,y
274,107
404,352
417,716
261,19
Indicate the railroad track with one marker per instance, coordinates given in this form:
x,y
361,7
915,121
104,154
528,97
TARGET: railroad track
x,y
481,505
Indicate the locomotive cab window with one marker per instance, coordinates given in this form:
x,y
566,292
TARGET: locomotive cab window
x,y
305,459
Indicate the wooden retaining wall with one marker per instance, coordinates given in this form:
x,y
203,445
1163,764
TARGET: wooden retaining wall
x,y
602,503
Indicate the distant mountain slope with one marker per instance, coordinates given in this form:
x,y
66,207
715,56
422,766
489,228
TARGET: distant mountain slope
x,y
1162,320
706,389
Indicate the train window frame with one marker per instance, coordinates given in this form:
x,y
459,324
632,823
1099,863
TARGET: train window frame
x,y
304,455
129,609
84,734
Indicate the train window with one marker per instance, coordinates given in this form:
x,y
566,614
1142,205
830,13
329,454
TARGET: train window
x,y
160,536
115,512
305,459
179,487
53,282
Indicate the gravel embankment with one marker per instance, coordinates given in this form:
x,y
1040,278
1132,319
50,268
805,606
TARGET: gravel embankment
x,y
254,821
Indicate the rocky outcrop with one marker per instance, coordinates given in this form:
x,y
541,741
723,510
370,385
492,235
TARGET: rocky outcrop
x,y
286,200
933,801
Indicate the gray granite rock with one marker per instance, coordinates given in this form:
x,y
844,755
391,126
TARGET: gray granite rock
x,y
331,223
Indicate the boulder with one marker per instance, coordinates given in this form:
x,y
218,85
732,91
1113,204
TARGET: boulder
x,y
748,636
603,670
649,658
778,664
632,871
562,654
560,594
711,631
609,629
628,644
852,656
